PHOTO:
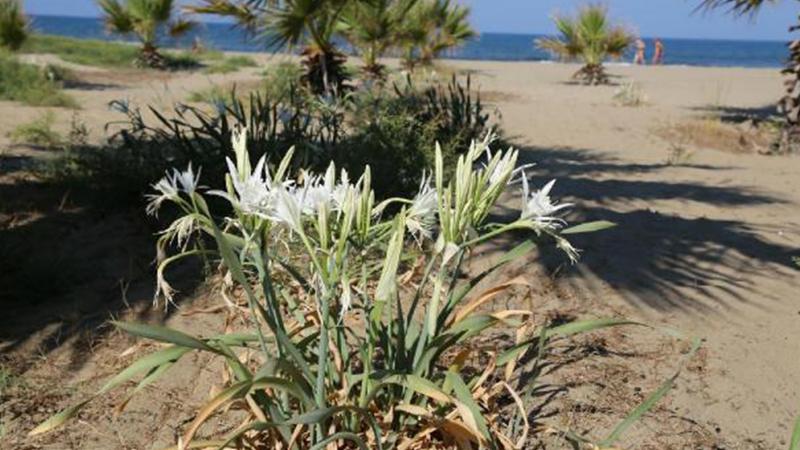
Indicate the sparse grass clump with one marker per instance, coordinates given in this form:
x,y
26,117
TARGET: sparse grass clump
x,y
231,64
38,132
30,85
630,95
88,52
93,52
13,25
281,78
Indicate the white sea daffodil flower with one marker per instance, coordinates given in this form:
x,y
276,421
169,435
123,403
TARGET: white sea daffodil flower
x,y
188,180
346,299
170,187
539,207
254,193
421,215
287,208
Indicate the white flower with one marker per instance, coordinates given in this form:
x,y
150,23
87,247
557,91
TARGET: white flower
x,y
253,192
187,179
286,208
538,206
167,189
181,229
346,300
421,216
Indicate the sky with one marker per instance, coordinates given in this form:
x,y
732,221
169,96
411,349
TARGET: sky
x,y
650,18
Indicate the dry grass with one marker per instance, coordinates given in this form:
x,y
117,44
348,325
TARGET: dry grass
x,y
713,133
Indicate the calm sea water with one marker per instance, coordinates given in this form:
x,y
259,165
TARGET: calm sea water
x,y
489,46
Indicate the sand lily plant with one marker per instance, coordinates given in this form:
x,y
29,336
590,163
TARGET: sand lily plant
x,y
363,318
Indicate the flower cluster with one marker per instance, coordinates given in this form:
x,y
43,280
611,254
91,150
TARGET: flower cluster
x,y
329,212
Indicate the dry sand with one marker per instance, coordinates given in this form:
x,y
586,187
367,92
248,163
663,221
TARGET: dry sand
x,y
703,247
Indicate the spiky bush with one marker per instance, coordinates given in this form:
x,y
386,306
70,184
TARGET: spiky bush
x,y
588,37
13,25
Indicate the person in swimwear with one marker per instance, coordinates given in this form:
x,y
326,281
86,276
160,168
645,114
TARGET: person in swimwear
x,y
658,55
640,48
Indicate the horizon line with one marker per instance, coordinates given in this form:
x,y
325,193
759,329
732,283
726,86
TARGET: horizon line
x,y
513,33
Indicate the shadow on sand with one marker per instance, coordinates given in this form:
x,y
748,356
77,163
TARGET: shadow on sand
x,y
68,265
654,259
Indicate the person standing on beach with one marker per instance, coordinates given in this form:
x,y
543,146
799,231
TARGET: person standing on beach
x,y
658,55
640,48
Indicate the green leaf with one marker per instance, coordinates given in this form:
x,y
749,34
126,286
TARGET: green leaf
x,y
58,419
145,364
464,395
342,435
583,326
649,402
589,227
164,334
795,442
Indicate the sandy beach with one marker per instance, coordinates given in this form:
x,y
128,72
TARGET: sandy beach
x,y
702,245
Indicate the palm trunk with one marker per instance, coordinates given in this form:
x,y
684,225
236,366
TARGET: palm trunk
x,y
789,105
325,71
149,56
592,74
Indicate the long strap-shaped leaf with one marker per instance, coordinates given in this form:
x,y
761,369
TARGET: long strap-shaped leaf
x,y
146,364
165,334
795,442
649,402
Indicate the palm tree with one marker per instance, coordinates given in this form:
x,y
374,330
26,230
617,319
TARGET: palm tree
x,y
13,25
309,24
590,38
145,19
433,27
789,104
372,27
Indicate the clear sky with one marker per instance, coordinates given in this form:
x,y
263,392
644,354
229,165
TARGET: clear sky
x,y
651,18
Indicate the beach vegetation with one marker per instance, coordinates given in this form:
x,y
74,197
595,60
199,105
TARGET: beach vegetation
x,y
421,29
348,345
230,64
789,104
88,52
631,95
29,84
13,25
145,19
591,38
281,79
431,28
310,25
38,132
373,28
393,129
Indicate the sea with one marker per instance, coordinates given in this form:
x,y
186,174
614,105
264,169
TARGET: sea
x,y
487,46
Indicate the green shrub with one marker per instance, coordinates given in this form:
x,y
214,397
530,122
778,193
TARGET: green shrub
x,y
392,130
89,52
231,64
13,25
38,132
29,84
280,80
93,52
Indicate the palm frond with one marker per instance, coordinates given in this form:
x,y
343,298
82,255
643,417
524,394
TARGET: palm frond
x,y
117,17
738,7
13,24
181,26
